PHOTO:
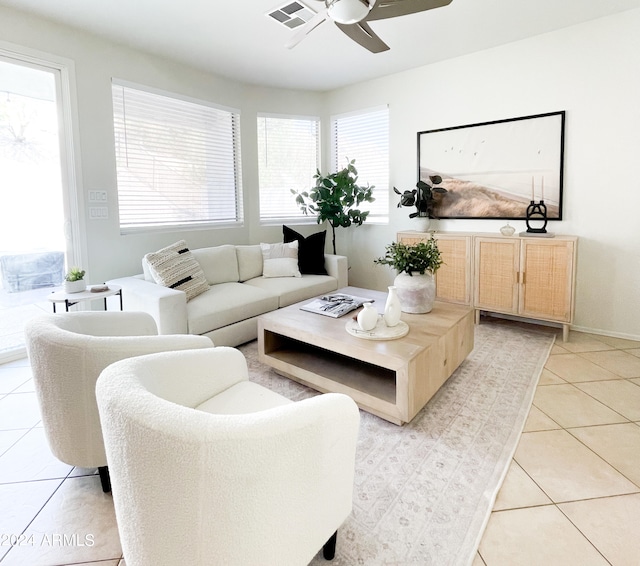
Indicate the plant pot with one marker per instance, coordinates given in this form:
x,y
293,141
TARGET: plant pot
x,y
422,223
75,286
416,292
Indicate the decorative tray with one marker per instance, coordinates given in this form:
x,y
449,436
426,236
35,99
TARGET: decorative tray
x,y
380,332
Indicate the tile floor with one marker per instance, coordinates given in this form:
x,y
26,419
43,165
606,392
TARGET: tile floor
x,y
572,493
570,497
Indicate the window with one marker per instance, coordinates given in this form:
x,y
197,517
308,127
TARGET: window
x,y
177,160
364,136
288,158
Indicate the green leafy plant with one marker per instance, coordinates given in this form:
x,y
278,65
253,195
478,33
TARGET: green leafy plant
x,y
422,197
412,258
336,198
74,274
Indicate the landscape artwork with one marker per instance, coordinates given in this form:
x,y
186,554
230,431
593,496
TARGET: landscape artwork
x,y
495,169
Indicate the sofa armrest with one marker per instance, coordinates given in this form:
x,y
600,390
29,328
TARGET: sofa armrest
x,y
337,266
167,306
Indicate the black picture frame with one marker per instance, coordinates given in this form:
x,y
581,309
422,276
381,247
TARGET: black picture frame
x,y
493,170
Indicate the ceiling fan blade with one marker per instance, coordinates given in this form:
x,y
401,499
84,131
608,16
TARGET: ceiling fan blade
x,y
383,9
306,29
361,33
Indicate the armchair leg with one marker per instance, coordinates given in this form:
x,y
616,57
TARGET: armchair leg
x,y
329,548
104,479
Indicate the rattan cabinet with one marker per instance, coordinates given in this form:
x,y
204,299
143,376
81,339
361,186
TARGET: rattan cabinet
x,y
528,277
453,279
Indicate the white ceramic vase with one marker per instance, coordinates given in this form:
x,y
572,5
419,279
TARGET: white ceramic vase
x,y
75,286
368,317
416,292
392,309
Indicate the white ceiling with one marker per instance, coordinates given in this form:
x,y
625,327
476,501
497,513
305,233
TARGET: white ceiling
x,y
235,38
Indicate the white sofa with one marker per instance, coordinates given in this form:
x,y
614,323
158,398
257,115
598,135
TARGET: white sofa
x,y
238,293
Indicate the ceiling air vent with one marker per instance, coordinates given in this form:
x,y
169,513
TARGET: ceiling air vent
x,y
292,14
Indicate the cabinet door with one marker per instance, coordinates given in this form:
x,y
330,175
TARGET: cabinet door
x,y
453,279
496,274
547,279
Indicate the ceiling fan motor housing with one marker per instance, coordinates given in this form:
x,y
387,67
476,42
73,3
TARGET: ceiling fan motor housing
x,y
347,11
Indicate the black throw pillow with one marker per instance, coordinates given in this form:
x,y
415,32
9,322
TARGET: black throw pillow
x,y
310,250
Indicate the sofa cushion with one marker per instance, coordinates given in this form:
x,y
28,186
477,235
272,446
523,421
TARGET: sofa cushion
x,y
310,250
228,303
249,261
219,263
292,289
176,267
280,260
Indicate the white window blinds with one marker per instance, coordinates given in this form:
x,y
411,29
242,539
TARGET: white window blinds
x,y
178,161
364,136
288,158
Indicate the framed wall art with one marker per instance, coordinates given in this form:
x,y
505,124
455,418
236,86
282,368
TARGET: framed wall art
x,y
494,170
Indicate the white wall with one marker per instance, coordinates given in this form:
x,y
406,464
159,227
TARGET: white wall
x,y
589,70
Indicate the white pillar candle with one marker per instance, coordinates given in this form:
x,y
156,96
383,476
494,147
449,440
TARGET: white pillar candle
x,y
533,196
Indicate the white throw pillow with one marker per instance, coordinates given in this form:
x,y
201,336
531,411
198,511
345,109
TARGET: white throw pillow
x,y
280,260
176,268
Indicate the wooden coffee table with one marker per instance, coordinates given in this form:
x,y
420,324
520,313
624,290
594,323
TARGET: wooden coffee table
x,y
393,379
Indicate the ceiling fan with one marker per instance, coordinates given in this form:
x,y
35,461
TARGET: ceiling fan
x,y
351,16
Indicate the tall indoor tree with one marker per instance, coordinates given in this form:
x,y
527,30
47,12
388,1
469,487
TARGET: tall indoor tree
x,y
336,198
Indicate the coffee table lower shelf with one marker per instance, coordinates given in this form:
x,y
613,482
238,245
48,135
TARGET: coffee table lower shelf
x,y
372,387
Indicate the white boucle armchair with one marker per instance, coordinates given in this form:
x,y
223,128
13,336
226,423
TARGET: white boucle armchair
x,y
210,468
67,352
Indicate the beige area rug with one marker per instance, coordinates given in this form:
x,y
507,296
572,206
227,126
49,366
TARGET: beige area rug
x,y
423,492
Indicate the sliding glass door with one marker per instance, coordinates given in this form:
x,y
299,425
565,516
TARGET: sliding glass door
x,y
34,212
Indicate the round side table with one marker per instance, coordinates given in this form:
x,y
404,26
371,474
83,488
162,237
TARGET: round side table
x,y
70,299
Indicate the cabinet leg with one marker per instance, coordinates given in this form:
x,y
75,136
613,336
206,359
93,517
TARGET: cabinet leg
x,y
565,332
477,313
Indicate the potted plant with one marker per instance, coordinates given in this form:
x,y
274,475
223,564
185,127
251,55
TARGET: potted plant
x,y
422,197
416,265
74,280
336,198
